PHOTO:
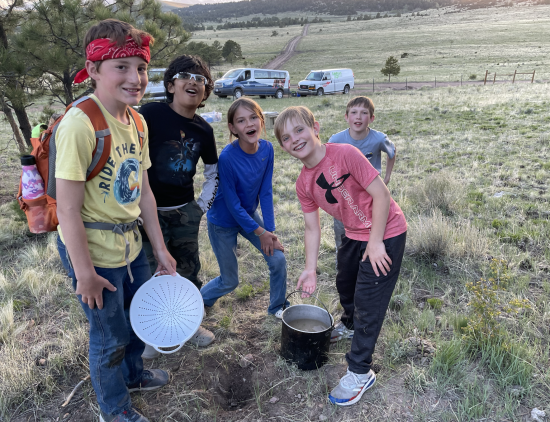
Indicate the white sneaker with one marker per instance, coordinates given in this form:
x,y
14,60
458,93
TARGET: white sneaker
x,y
340,332
279,314
150,352
351,388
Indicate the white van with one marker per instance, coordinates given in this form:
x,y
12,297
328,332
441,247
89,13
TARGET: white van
x,y
328,81
247,81
156,89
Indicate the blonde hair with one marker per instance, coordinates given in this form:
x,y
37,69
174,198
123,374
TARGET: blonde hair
x,y
250,105
300,113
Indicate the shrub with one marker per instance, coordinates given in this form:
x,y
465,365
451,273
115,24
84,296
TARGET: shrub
x,y
472,77
435,303
435,237
244,291
488,304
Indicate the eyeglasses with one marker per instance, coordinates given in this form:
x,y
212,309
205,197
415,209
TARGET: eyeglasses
x,y
185,76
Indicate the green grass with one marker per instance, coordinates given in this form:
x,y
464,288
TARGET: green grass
x,y
471,177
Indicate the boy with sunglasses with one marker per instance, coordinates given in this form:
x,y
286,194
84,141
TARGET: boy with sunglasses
x,y
177,138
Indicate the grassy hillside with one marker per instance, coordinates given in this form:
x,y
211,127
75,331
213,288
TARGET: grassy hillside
x,y
440,45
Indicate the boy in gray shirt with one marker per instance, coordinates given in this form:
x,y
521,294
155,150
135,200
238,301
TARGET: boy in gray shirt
x,y
359,114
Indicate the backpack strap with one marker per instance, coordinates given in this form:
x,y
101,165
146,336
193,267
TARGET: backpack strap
x,y
101,152
139,125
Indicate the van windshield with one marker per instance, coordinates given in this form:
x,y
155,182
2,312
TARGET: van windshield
x,y
232,74
314,76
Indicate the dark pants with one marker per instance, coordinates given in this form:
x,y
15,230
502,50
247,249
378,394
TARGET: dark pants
x,y
365,297
115,350
180,229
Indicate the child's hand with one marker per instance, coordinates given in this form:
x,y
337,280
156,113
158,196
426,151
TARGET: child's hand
x,y
386,180
308,282
166,264
278,245
90,288
267,240
379,259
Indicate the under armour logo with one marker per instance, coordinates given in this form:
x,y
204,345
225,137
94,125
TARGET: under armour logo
x,y
322,182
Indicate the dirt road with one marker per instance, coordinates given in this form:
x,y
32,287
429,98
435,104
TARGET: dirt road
x,y
288,52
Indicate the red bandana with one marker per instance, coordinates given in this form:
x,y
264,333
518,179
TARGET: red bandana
x,y
104,49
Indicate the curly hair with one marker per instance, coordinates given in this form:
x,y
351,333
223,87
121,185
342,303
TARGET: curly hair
x,y
191,64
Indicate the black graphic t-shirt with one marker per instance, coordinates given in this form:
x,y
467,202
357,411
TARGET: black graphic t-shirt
x,y
175,145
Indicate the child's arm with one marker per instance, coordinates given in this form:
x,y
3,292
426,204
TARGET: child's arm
x,y
148,207
312,239
376,250
209,187
389,167
70,197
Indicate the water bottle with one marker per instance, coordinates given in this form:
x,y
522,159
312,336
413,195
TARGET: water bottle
x,y
31,182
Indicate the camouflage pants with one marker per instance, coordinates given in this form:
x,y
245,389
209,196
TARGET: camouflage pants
x,y
180,229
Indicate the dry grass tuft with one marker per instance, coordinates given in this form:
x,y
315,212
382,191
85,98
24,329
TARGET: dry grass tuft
x,y
436,237
440,190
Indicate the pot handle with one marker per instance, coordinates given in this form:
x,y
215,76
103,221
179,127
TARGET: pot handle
x,y
310,295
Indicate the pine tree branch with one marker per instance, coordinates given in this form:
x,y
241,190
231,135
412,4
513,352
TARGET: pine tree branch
x,y
52,31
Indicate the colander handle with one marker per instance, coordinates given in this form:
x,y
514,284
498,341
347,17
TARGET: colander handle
x,y
165,352
310,295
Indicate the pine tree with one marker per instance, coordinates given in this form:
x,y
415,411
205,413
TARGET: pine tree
x,y
391,68
13,74
231,51
52,35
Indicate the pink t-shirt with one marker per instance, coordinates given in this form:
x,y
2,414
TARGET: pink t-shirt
x,y
338,185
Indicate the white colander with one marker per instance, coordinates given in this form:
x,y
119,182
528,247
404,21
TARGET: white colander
x,y
166,312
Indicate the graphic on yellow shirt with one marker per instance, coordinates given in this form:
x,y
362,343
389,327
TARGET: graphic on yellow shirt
x,y
126,187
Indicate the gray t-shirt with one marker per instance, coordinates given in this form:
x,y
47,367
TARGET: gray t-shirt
x,y
371,146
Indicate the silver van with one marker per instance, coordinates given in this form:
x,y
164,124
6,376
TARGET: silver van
x,y
250,81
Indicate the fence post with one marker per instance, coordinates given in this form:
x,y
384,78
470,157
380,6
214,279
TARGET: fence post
x,y
515,71
495,78
485,81
372,84
533,78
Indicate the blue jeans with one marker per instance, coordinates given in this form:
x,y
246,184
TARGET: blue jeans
x,y
115,350
224,245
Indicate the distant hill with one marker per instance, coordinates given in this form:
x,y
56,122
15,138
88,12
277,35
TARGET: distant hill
x,y
199,13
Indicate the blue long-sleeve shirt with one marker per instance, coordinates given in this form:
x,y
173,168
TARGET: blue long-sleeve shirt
x,y
245,182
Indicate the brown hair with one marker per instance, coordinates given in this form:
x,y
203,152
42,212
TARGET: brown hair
x,y
361,101
117,31
250,105
301,113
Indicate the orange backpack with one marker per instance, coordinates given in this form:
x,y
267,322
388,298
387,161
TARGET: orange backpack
x,y
42,212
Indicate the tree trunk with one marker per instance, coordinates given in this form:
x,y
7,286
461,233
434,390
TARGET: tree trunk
x,y
24,123
68,88
13,124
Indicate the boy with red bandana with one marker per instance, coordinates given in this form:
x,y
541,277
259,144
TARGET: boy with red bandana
x,y
107,267
339,179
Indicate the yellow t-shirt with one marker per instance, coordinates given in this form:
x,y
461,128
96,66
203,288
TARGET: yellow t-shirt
x,y
113,195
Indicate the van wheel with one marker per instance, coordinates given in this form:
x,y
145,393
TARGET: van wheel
x,y
262,96
238,93
279,94
346,89
222,96
320,92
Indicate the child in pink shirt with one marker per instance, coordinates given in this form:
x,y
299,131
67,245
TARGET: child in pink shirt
x,y
340,180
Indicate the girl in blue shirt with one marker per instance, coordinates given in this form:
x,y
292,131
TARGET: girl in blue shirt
x,y
245,169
